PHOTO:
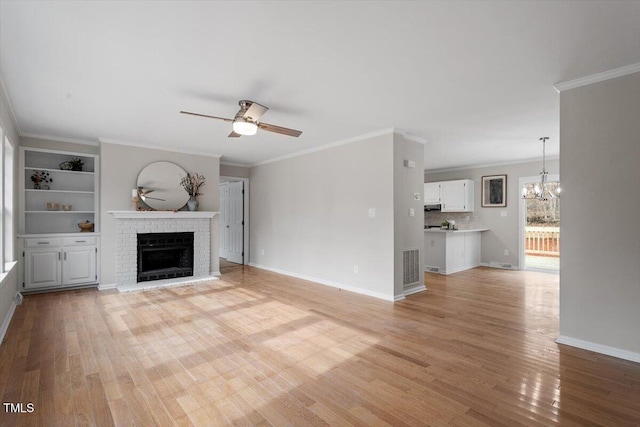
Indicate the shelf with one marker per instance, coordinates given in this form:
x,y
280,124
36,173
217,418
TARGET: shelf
x,y
60,191
60,212
58,170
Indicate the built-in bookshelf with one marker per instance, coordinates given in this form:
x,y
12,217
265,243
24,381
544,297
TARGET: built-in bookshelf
x,y
71,196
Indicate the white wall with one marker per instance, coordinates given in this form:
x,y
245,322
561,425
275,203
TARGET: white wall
x,y
503,231
310,216
235,171
408,230
600,226
119,168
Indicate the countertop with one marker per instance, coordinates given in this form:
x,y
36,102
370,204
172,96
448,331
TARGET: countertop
x,y
468,230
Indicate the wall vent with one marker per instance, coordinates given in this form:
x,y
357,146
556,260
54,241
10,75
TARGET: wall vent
x,y
432,269
410,266
505,265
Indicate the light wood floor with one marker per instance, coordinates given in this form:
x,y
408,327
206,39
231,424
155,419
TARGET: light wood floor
x,y
258,348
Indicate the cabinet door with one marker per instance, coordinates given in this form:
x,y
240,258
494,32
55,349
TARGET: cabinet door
x,y
431,192
42,268
79,265
454,196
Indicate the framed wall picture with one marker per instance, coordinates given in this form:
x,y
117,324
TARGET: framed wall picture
x,y
494,191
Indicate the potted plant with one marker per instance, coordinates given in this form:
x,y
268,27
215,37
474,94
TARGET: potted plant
x,y
192,183
39,178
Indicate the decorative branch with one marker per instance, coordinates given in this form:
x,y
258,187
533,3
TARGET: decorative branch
x,y
192,183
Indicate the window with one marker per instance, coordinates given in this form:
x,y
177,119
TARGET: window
x,y
7,201
6,224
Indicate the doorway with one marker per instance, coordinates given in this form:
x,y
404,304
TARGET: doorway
x,y
540,230
234,221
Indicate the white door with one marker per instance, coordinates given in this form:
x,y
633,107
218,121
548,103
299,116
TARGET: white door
x,y
79,265
42,268
224,220
235,250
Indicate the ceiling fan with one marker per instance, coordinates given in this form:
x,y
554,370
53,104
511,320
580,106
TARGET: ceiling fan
x,y
246,121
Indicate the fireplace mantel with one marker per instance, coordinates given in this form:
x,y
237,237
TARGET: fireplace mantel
x,y
162,214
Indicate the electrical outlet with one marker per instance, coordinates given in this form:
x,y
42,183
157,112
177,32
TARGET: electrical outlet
x,y
412,212
503,213
506,252
261,251
372,212
355,268
433,243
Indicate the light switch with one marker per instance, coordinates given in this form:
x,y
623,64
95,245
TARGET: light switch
x,y
372,212
503,213
412,212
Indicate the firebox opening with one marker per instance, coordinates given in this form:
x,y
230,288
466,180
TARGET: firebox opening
x,y
164,256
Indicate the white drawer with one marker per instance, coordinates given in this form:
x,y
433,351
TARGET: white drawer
x,y
42,243
79,241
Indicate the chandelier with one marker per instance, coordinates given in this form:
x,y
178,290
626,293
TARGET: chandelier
x,y
544,190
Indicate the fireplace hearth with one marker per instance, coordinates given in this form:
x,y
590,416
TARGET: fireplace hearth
x,y
164,256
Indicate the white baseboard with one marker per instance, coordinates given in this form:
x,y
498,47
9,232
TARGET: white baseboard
x,y
215,273
415,289
599,348
104,287
327,282
486,264
7,320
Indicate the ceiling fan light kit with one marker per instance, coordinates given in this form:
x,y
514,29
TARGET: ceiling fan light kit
x,y
243,127
246,121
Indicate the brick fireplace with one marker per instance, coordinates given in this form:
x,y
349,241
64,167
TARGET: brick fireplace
x,y
129,224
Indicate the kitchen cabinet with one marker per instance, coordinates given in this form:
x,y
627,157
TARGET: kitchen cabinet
x,y
431,193
448,252
453,196
457,196
59,262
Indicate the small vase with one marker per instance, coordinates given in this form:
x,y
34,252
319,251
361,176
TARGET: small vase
x,y
36,186
192,204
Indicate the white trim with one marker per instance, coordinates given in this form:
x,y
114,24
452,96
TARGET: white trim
x,y
7,321
104,287
155,147
162,214
13,114
61,139
599,348
216,273
388,131
325,282
399,297
415,289
488,264
598,77
490,165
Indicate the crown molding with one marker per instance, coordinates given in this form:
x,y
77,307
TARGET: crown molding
x,y
388,131
599,77
490,165
60,139
240,165
406,135
11,112
155,147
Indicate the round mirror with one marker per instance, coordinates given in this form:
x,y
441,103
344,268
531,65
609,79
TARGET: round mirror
x,y
159,186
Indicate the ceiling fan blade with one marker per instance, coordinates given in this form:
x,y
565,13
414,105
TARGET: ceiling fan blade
x,y
234,135
279,129
255,111
207,116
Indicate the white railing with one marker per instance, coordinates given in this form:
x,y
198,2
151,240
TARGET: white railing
x,y
542,241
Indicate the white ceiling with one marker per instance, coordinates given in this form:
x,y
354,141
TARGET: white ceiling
x,y
474,79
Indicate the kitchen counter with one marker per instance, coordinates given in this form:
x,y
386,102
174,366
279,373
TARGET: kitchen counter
x,y
451,251
440,230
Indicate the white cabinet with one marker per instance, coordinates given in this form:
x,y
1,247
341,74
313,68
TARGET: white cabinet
x,y
42,268
431,193
453,196
59,262
457,196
